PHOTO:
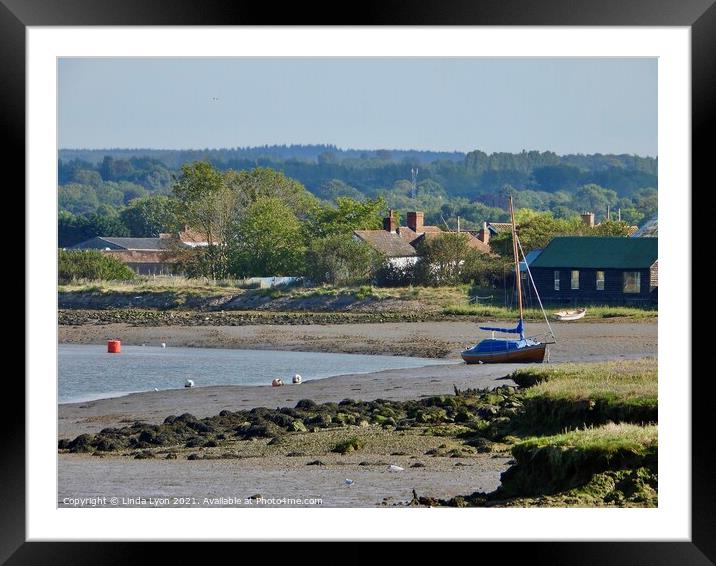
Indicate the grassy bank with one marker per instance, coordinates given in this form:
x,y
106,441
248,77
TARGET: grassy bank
x,y
574,395
583,435
550,464
177,293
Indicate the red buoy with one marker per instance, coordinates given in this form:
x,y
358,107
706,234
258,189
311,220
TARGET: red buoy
x,y
114,346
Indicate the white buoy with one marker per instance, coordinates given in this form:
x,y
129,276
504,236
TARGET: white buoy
x,y
394,468
189,383
278,382
164,345
297,378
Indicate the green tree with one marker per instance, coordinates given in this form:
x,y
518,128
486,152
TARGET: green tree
x,y
443,258
535,231
147,217
73,229
594,198
249,186
486,270
267,240
348,215
77,199
339,259
610,228
331,190
207,204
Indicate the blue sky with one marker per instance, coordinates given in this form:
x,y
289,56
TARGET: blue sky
x,y
566,105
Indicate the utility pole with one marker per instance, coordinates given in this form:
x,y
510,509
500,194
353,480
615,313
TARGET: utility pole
x,y
414,184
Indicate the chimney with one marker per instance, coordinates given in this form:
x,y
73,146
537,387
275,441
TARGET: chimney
x,y
484,234
389,223
588,219
415,221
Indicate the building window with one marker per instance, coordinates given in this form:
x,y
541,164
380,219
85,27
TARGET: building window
x,y
556,280
632,282
600,281
575,279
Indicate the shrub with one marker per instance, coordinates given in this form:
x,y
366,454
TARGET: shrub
x,y
390,275
340,260
91,264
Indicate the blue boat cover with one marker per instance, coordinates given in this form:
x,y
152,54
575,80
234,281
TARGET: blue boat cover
x,y
519,329
498,345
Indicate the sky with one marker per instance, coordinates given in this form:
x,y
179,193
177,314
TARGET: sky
x,y
565,105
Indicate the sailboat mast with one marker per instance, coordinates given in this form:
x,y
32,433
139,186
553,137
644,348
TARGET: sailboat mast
x,y
517,262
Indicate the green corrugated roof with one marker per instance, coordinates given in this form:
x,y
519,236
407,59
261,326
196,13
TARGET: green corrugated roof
x,y
595,252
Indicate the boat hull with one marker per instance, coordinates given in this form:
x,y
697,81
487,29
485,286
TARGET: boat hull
x,y
570,315
525,355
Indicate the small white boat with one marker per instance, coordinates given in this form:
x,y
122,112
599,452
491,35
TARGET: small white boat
x,y
575,314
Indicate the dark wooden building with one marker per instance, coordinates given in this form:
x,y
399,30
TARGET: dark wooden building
x,y
588,270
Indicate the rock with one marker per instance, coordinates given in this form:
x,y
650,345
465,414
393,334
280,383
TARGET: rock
x,y
297,426
482,445
83,443
186,418
315,463
417,465
487,411
144,455
306,404
171,456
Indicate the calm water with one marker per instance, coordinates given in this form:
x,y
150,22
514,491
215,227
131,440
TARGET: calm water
x,y
88,372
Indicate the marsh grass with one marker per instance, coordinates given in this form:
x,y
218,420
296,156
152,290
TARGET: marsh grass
x,y
597,312
573,395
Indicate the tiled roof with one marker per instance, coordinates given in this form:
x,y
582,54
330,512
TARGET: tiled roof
x,y
102,242
479,245
500,227
595,252
138,243
390,244
187,236
472,241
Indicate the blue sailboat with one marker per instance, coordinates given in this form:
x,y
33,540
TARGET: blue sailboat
x,y
508,350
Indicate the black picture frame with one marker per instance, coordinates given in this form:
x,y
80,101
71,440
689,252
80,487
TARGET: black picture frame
x,y
699,15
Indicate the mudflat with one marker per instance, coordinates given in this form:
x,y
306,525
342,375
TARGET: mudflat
x,y
284,471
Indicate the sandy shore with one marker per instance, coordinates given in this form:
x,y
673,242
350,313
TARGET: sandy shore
x,y
579,341
275,475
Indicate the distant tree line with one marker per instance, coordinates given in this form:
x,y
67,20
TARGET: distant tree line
x,y
473,186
